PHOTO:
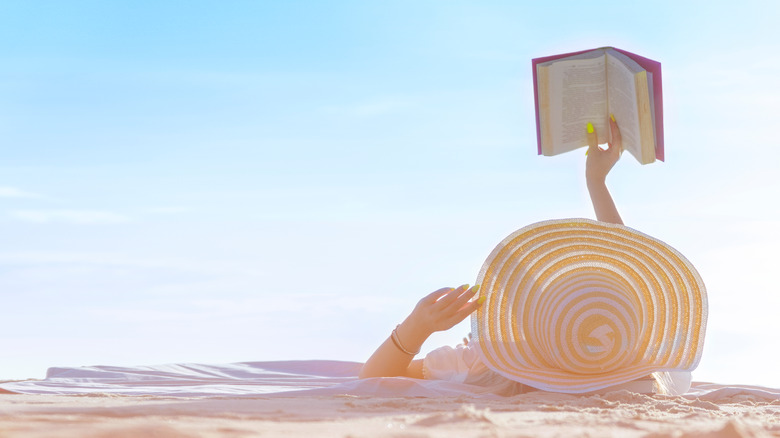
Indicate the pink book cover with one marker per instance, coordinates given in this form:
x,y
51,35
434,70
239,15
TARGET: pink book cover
x,y
651,66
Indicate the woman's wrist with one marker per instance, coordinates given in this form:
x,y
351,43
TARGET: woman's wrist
x,y
412,334
596,183
595,176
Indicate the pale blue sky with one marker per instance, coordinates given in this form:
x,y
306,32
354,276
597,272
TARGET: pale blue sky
x,y
233,181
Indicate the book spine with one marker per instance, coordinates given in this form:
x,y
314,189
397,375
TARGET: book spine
x,y
543,111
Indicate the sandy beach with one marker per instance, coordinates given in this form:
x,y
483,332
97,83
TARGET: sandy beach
x,y
326,399
615,414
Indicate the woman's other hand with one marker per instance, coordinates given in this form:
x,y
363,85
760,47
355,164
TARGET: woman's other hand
x,y
443,309
438,311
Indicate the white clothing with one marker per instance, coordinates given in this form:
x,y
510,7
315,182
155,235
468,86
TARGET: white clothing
x,y
462,364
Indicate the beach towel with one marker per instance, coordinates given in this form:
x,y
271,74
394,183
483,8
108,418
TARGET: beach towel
x,y
282,379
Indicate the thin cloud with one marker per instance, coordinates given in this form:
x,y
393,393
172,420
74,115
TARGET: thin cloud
x,y
231,268
12,192
79,217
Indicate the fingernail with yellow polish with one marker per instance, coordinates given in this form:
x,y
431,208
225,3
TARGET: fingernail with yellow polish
x,y
464,287
612,116
475,288
481,299
589,126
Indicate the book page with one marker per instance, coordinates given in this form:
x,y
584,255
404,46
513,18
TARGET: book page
x,y
622,103
578,95
627,81
651,96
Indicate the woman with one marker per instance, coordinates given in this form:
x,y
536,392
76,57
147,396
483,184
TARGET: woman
x,y
446,307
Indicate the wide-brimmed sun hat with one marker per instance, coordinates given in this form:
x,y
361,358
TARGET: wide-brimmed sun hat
x,y
576,305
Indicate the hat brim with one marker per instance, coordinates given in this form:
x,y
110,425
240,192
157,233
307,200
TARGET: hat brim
x,y
576,305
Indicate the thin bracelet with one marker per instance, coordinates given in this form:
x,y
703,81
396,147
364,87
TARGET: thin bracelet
x,y
397,342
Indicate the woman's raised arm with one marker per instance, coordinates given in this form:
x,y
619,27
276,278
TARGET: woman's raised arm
x,y
597,166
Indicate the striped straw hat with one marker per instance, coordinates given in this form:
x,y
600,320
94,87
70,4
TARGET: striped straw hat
x,y
576,305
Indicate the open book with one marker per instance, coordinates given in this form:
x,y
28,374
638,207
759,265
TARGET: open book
x,y
573,89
